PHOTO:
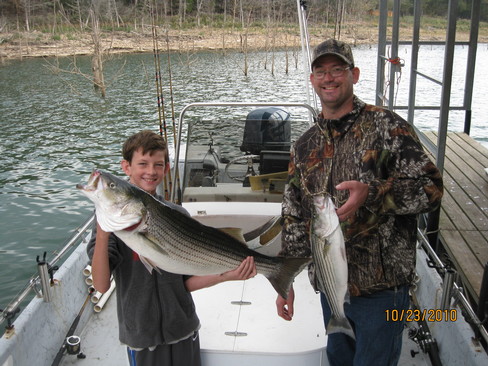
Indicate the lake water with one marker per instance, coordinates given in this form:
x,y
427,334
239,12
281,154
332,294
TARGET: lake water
x,y
55,129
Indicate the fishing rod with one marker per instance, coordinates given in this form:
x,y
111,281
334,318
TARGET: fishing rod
x,y
306,55
173,119
72,343
159,93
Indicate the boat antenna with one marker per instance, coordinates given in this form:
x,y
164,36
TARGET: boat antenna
x,y
307,61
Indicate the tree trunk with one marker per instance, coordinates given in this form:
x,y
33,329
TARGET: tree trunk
x,y
97,62
27,8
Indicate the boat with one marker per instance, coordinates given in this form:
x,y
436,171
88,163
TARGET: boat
x,y
232,176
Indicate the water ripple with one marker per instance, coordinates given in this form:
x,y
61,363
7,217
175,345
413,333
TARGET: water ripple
x,y
56,130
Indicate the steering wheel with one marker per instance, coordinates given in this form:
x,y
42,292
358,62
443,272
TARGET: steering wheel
x,y
250,169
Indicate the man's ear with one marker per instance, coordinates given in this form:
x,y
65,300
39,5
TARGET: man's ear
x,y
166,167
125,167
355,75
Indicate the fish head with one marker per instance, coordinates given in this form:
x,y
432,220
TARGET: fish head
x,y
118,203
325,219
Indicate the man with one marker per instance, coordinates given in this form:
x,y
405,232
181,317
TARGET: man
x,y
156,313
371,162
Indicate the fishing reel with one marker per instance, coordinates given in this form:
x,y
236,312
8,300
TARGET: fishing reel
x,y
426,342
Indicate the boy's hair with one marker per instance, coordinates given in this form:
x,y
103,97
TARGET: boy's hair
x,y
146,140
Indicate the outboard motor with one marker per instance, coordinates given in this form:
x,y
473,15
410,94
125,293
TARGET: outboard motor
x,y
267,129
268,133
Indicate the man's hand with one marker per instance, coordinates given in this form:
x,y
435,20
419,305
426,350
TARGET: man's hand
x,y
285,307
358,193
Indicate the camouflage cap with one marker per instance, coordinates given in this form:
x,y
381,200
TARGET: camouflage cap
x,y
333,47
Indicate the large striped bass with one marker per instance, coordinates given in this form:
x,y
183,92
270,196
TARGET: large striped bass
x,y
329,257
173,241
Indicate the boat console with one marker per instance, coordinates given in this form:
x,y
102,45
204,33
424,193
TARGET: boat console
x,y
258,175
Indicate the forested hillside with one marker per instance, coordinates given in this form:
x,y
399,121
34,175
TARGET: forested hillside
x,y
30,28
57,15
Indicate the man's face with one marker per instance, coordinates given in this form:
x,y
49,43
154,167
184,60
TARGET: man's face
x,y
146,171
335,93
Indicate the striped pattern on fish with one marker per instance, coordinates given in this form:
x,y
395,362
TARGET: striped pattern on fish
x,y
329,257
173,241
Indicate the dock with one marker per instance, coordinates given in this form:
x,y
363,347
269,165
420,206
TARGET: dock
x,y
463,224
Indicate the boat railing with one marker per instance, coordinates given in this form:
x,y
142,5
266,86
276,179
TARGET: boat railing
x,y
36,283
448,61
450,289
176,174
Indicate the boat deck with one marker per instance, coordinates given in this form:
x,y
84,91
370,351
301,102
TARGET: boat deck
x,y
239,327
464,213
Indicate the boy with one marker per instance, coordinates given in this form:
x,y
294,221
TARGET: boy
x,y
156,313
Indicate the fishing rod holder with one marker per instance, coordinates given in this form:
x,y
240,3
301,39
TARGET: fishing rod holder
x,y
448,274
9,316
46,278
447,288
73,345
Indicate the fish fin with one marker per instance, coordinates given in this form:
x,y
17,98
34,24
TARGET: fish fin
x,y
285,272
340,325
347,297
235,232
150,266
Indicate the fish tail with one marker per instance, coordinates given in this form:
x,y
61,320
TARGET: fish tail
x,y
341,325
282,278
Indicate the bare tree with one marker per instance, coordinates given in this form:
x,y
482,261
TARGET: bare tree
x,y
199,9
113,11
182,11
338,18
97,62
25,5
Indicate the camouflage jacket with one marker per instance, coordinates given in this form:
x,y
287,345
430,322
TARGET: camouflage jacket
x,y
375,146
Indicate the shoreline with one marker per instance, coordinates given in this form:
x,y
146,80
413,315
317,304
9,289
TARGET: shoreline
x,y
37,44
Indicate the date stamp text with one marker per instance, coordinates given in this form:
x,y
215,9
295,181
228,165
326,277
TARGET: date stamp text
x,y
415,315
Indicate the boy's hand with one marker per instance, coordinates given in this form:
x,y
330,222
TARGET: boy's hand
x,y
246,270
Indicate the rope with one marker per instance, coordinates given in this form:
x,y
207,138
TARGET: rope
x,y
400,63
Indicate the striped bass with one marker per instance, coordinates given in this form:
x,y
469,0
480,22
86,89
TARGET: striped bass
x,y
168,239
329,257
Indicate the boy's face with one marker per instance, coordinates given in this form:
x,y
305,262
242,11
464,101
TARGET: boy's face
x,y
146,171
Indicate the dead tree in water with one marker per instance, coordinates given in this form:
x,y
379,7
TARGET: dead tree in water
x,y
245,52
97,62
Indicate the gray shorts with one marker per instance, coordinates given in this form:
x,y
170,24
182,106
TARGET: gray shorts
x,y
183,353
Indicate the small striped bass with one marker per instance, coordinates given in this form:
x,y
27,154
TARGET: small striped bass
x,y
329,257
173,241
